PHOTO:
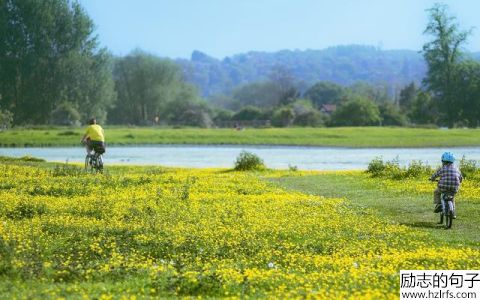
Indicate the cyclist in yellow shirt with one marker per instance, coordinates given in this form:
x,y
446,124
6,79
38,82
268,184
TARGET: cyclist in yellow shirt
x,y
94,138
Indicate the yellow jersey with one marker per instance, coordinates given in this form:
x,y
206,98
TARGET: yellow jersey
x,y
95,133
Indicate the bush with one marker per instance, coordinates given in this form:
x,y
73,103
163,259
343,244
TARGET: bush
x,y
468,167
247,161
248,113
356,112
417,169
283,117
376,167
310,118
392,169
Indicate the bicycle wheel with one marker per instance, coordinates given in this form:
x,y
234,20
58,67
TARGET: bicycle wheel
x,y
449,214
100,163
87,162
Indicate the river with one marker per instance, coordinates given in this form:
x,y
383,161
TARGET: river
x,y
276,157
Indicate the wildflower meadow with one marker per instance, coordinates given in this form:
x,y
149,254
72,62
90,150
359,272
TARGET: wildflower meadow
x,y
149,232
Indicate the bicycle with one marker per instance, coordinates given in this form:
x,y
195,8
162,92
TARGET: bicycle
x,y
94,162
448,209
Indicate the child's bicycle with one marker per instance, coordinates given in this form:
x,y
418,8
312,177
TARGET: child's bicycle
x,y
448,209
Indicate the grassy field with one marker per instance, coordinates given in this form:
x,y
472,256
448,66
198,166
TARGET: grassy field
x,y
407,202
342,137
164,232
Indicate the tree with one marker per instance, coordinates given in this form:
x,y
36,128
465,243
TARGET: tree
x,y
391,115
283,117
407,96
145,85
187,110
248,113
285,82
6,118
260,94
467,93
442,55
49,56
377,93
423,109
325,92
356,112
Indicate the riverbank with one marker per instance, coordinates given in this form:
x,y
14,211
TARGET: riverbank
x,y
361,137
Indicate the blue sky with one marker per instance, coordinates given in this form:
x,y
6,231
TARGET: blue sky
x,y
174,28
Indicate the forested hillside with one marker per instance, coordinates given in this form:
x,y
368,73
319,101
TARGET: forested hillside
x,y
344,65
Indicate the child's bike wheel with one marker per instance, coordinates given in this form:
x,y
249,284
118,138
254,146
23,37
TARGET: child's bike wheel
x,y
449,215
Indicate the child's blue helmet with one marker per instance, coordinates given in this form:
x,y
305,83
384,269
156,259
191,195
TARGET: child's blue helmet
x,y
448,157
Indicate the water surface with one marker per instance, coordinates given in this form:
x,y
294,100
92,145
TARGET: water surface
x,y
277,157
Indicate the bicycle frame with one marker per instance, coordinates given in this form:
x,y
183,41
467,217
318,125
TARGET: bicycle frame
x,y
94,162
448,209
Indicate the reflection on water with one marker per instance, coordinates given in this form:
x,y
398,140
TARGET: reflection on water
x,y
277,157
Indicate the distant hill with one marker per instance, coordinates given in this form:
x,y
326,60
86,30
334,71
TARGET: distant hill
x,y
342,64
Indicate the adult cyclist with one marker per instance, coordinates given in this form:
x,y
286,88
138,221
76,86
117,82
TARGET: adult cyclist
x,y
94,138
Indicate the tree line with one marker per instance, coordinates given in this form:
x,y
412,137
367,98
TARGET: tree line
x,y
53,71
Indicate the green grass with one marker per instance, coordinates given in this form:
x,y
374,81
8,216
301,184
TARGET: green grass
x,y
340,137
412,210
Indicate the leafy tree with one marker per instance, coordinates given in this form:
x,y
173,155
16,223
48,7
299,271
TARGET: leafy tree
x,y
66,114
223,115
442,55
467,93
49,56
391,115
423,109
325,92
312,118
145,85
407,96
6,119
285,83
377,93
186,110
283,116
260,94
248,113
356,112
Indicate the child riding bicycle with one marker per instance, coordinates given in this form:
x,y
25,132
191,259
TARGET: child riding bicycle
x,y
94,138
449,181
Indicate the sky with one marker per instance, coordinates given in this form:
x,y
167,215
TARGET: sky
x,y
220,28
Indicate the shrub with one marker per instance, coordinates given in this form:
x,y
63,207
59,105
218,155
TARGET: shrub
x,y
468,167
247,161
417,169
392,169
376,167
